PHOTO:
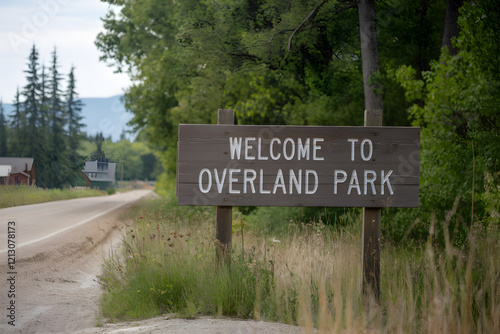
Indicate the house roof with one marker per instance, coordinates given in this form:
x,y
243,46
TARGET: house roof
x,y
18,165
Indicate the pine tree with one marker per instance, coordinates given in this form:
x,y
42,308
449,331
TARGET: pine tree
x,y
31,109
99,153
18,126
58,172
73,113
44,102
3,133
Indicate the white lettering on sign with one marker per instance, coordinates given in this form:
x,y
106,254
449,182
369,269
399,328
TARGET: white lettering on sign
x,y
338,179
299,181
235,148
220,182
296,181
315,183
271,149
259,151
248,147
288,149
316,147
385,180
370,150
247,180
261,183
364,155
303,149
354,183
200,180
279,182
233,179
368,182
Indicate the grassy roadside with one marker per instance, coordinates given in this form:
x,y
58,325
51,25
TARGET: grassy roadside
x,y
23,195
309,275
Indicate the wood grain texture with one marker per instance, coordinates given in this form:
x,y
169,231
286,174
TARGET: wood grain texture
x,y
395,150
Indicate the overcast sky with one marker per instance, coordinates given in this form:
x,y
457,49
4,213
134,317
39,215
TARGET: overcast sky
x,y
69,25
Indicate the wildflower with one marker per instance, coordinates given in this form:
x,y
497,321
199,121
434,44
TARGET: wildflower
x,y
275,240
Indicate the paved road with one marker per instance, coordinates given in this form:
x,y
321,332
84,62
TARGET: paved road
x,y
37,222
58,254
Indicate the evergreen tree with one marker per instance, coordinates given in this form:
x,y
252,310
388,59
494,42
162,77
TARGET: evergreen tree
x,y
73,110
99,153
31,109
3,133
45,124
44,102
73,113
18,126
59,171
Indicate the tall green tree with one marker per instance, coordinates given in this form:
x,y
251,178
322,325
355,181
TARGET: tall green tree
x,y
75,125
31,109
44,103
99,152
57,169
18,126
3,133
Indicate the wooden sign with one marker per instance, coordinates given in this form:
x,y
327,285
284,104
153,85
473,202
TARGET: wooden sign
x,y
246,165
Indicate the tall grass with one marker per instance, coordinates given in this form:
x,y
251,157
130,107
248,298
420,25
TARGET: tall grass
x,y
23,195
309,275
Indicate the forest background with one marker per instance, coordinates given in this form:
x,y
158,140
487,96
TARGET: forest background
x,y
298,62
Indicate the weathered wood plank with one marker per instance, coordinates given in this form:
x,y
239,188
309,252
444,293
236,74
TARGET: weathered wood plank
x,y
345,166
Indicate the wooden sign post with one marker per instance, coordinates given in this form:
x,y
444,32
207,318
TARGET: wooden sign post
x,y
372,218
224,215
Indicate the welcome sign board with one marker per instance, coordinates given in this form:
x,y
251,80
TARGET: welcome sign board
x,y
246,165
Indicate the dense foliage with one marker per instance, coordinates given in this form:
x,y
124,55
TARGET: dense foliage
x,y
190,58
457,108
298,62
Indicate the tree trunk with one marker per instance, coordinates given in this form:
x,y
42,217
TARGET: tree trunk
x,y
373,117
451,28
369,54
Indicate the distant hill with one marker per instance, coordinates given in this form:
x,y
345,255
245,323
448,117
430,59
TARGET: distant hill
x,y
106,115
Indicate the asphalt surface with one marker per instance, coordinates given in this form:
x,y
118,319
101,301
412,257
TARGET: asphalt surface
x,y
49,268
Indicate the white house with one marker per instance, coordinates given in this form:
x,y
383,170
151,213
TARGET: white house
x,y
100,172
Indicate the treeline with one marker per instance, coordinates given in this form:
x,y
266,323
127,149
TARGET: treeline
x,y
298,62
45,123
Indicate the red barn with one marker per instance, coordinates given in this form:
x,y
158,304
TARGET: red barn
x,y
17,171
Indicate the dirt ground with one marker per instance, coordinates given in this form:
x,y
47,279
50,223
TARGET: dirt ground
x,y
58,292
